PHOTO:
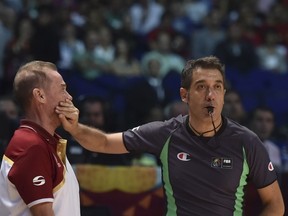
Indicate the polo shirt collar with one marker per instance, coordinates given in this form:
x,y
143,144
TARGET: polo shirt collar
x,y
25,123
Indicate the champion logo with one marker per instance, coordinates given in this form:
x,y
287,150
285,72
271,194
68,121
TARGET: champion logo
x,y
270,166
39,180
184,156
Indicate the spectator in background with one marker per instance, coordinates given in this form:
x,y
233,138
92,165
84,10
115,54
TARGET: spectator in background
x,y
233,107
147,91
153,91
70,46
251,22
9,107
277,19
154,78
127,33
145,16
93,111
114,14
163,53
124,64
180,20
18,50
7,19
9,115
205,39
196,10
16,5
175,108
105,49
262,123
88,64
236,52
79,14
94,15
45,40
271,54
164,26
264,6
179,41
6,132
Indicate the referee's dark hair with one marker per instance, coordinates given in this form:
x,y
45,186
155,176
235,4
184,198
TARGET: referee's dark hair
x,y
210,62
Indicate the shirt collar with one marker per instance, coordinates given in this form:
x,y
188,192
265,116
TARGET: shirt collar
x,y
53,140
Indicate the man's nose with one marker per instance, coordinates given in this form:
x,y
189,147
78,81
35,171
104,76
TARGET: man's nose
x,y
69,96
210,94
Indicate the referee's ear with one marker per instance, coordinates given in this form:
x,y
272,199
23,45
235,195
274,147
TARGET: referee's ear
x,y
184,94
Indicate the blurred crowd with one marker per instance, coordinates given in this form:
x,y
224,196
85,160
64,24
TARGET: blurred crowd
x,y
122,61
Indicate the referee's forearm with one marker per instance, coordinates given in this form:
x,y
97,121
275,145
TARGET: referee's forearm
x,y
90,138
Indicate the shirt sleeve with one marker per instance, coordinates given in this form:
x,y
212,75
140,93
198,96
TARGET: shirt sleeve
x,y
32,175
148,138
262,171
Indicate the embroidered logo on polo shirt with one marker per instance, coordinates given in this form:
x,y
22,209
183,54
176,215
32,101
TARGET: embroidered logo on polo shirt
x,y
38,180
225,163
184,156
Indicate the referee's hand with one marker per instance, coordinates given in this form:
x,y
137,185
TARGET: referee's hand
x,y
68,115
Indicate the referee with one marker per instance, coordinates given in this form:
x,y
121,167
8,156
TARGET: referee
x,y
206,158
